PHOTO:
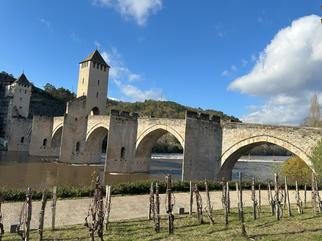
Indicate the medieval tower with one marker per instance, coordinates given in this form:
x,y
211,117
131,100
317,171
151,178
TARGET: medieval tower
x,y
93,83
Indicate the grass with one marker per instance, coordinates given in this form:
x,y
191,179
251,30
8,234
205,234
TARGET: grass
x,y
296,228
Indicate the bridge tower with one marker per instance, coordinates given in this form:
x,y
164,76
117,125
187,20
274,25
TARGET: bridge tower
x,y
93,83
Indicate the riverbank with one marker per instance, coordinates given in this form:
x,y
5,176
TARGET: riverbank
x,y
74,211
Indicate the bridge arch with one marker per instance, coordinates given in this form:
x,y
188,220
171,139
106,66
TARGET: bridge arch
x,y
148,138
96,143
56,136
230,156
162,129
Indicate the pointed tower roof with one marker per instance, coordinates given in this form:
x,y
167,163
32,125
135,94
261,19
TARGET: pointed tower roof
x,y
22,79
95,57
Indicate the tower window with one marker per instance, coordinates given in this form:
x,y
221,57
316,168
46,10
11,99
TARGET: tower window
x,y
44,142
25,91
22,139
77,146
96,94
122,152
83,81
98,82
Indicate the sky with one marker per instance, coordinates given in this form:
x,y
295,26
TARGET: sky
x,y
260,61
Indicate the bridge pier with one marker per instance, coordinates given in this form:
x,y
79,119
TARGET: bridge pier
x,y
202,147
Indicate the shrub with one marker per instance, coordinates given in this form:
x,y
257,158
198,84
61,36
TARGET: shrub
x,y
296,170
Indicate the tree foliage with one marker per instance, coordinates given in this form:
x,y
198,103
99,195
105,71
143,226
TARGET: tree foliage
x,y
314,119
61,93
317,159
161,109
296,170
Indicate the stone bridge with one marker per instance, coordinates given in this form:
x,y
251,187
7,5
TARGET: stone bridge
x,y
211,146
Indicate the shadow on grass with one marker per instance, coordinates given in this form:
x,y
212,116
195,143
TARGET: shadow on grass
x,y
284,233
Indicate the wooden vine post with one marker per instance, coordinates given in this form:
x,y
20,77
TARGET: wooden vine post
x,y
277,198
151,199
108,195
53,208
238,200
94,220
242,221
271,199
209,206
259,207
25,218
287,198
317,194
198,204
42,215
191,198
169,205
254,199
1,221
313,193
305,195
228,197
299,202
224,201
157,217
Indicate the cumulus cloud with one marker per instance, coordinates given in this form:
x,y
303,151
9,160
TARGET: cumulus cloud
x,y
125,79
139,10
286,73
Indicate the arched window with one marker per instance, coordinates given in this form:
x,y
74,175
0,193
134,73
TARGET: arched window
x,y
44,142
95,110
122,152
98,82
77,146
96,94
22,139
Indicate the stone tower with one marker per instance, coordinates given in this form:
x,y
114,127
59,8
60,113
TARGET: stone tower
x,y
20,92
93,83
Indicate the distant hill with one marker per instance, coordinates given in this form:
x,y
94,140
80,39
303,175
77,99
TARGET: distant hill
x,y
162,109
43,103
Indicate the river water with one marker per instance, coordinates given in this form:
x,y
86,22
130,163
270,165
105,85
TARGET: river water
x,y
19,171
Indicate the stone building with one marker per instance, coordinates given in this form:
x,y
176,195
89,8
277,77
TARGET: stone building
x,y
15,94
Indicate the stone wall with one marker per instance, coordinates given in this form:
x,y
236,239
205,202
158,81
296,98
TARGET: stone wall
x,y
121,143
42,128
74,132
19,134
202,146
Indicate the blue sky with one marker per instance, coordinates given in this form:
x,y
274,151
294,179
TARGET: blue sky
x,y
210,54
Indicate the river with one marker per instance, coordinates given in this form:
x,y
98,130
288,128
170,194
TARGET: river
x,y
19,171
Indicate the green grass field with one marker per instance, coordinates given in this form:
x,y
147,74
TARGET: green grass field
x,y
298,227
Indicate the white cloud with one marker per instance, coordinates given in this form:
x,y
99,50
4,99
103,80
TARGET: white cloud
x,y
139,10
136,94
286,73
124,79
46,23
225,73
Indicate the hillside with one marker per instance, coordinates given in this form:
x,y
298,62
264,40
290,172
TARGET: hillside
x,y
161,109
42,103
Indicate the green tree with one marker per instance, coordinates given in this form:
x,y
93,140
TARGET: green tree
x,y
317,159
296,170
61,93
